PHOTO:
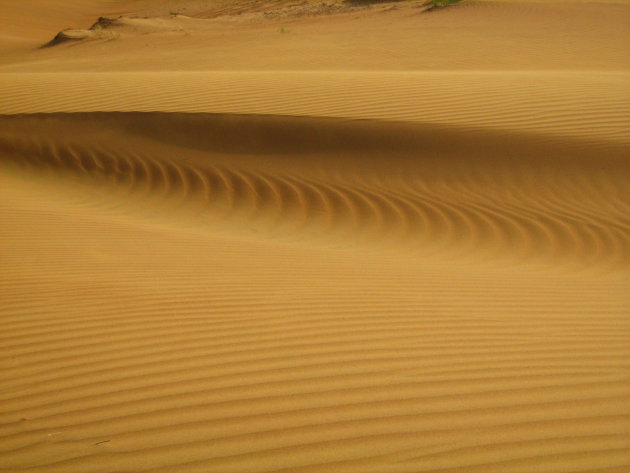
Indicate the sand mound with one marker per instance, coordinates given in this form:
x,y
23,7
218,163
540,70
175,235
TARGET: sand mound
x,y
69,35
33,22
95,31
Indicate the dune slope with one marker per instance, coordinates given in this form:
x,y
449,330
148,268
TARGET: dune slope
x,y
246,264
261,294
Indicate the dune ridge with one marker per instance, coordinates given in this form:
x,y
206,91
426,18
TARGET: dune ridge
x,y
557,103
273,171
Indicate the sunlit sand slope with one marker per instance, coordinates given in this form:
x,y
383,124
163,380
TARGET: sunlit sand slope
x,y
401,36
146,347
563,103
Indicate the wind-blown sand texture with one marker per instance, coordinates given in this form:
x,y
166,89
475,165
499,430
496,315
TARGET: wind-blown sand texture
x,y
272,236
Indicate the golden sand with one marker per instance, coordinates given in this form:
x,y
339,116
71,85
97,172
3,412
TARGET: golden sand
x,y
273,236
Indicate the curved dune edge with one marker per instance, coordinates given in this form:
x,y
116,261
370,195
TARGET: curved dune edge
x,y
586,104
419,190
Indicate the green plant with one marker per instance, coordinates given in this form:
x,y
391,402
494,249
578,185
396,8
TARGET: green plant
x,y
443,3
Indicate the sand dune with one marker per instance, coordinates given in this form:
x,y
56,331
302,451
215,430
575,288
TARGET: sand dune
x,y
170,347
314,237
476,35
418,186
586,105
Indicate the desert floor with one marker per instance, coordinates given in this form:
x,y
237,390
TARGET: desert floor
x,y
302,236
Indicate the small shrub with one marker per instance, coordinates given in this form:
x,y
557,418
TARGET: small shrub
x,y
443,3
369,2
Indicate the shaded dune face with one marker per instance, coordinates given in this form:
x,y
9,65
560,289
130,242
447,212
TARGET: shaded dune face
x,y
421,189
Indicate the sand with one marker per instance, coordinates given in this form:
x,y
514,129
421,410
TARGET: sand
x,y
274,236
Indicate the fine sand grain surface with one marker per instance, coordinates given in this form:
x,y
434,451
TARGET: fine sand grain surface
x,y
258,236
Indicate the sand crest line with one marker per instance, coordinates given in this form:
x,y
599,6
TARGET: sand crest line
x,y
558,103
